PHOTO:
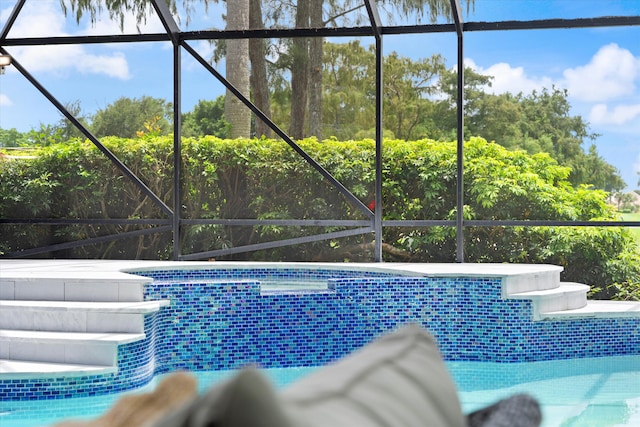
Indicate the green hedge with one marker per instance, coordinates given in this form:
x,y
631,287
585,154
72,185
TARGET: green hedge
x,y
266,179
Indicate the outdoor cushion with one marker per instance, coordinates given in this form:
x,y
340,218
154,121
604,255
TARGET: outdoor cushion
x,y
399,380
245,400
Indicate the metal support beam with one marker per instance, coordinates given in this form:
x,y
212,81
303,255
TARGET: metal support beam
x,y
376,24
377,221
374,17
605,21
177,149
173,31
457,17
276,244
171,27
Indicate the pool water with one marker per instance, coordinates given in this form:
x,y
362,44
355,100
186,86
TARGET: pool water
x,y
599,392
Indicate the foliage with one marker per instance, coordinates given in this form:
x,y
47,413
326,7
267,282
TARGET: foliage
x,y
118,9
74,180
125,117
207,118
420,102
12,138
266,179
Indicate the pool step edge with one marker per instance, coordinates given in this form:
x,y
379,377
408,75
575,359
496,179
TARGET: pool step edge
x,y
28,369
597,309
566,296
77,316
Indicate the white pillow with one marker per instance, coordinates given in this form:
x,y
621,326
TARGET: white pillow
x,y
399,380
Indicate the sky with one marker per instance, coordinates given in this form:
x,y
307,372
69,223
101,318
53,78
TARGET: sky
x,y
599,67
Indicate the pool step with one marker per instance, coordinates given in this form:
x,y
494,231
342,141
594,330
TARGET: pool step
x,y
69,322
73,286
76,316
63,347
594,308
538,279
565,296
21,369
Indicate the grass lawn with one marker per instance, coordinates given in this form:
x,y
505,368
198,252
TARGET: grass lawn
x,y
633,217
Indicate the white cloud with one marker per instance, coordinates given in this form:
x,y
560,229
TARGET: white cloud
x,y
510,79
621,114
45,19
611,73
5,101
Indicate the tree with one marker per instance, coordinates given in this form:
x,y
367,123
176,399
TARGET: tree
x,y
119,9
537,122
126,117
207,118
237,70
408,86
12,138
299,73
68,130
258,79
349,98
302,58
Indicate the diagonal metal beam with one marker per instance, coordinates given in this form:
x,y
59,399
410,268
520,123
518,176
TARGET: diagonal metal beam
x,y
168,22
374,17
123,168
12,18
337,184
277,244
89,241
457,16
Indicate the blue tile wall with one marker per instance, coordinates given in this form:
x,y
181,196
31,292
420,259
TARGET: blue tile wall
x,y
222,319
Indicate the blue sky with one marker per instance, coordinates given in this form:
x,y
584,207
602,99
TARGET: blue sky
x,y
600,67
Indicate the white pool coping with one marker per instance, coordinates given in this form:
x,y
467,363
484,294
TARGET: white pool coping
x,y
117,268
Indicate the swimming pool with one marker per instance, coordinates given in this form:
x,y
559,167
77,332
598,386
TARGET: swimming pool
x,y
602,392
223,316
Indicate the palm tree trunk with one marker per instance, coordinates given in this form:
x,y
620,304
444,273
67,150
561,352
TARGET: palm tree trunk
x,y
315,72
300,74
237,70
259,83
